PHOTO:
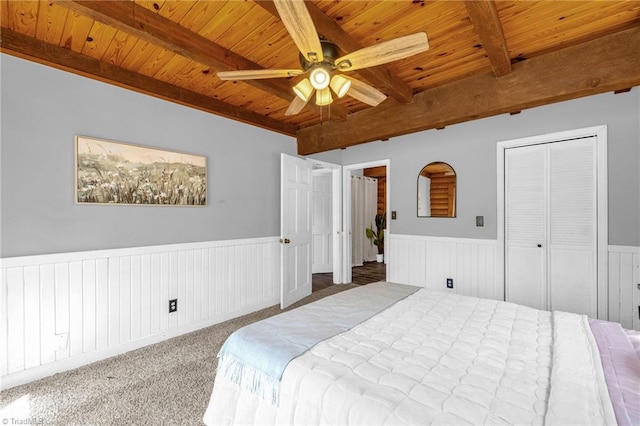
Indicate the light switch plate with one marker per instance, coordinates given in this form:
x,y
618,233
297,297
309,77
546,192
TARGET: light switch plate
x,y
479,220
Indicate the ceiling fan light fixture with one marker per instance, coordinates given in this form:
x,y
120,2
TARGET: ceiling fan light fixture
x,y
340,85
323,97
320,78
304,89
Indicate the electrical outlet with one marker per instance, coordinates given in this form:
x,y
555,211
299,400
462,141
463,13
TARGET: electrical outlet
x,y
61,341
173,305
449,282
479,220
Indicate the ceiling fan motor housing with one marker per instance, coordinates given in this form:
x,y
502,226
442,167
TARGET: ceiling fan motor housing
x,y
329,51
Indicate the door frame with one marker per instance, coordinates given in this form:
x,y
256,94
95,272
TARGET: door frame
x,y
600,133
346,214
336,200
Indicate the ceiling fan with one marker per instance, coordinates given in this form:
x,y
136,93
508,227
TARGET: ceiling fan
x,y
319,58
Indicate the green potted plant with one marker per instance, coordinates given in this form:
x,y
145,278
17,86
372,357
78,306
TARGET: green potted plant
x,y
377,236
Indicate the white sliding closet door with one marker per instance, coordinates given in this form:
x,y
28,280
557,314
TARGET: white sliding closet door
x,y
551,226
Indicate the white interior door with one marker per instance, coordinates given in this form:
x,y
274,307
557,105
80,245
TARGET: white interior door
x,y
322,225
295,229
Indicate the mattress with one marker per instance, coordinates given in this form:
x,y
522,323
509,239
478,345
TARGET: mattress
x,y
437,358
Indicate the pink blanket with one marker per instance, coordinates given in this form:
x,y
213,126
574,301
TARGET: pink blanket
x,y
620,354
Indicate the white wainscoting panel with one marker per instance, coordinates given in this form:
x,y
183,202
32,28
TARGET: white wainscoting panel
x,y
429,261
624,279
65,310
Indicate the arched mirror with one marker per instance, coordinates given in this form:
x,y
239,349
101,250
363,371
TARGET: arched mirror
x,y
437,190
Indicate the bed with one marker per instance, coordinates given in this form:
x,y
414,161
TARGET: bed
x,y
392,354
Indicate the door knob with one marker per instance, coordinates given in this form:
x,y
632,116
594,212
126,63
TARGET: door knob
x,y
539,245
284,241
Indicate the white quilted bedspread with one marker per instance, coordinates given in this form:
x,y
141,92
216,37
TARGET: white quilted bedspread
x,y
437,358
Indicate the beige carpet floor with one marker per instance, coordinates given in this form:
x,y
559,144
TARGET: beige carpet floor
x,y
168,383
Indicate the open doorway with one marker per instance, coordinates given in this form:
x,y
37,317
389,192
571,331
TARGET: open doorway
x,y
338,246
326,219
369,206
365,205
322,229
368,201
296,208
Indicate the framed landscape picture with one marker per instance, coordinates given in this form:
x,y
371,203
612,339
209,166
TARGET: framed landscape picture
x,y
110,172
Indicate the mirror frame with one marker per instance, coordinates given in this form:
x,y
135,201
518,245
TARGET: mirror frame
x,y
451,206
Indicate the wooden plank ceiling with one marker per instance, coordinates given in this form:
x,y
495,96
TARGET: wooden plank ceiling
x,y
485,57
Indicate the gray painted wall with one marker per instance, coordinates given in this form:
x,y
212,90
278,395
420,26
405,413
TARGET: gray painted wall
x,y
471,149
43,108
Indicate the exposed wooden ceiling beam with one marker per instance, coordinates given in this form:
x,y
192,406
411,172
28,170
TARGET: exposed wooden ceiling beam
x,y
35,50
603,65
485,19
380,76
154,28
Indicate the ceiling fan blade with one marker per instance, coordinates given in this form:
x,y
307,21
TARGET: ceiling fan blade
x,y
296,106
365,93
381,53
295,17
257,74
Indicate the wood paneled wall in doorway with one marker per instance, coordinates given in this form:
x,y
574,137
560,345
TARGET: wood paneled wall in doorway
x,y
379,173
